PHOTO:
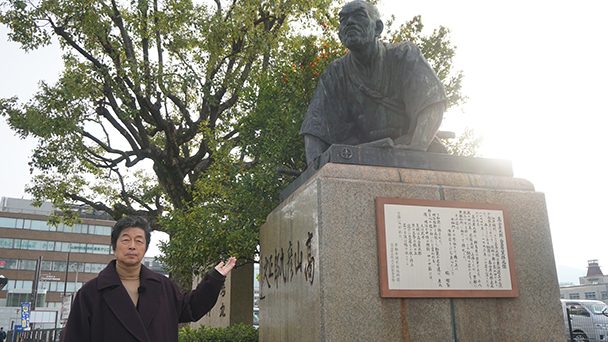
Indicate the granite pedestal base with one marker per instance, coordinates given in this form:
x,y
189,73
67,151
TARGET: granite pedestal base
x,y
319,275
235,302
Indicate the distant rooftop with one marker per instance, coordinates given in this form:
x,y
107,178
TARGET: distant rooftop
x,y
593,268
24,206
16,205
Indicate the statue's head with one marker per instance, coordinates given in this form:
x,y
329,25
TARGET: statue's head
x,y
360,24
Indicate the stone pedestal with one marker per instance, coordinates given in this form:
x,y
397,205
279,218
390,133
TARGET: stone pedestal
x,y
235,303
319,275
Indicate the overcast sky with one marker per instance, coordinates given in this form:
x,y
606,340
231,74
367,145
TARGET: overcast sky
x,y
536,77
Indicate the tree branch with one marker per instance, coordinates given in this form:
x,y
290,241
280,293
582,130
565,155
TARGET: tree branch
x,y
123,131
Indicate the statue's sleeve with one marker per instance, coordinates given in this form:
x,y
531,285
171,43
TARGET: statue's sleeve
x,y
314,121
422,88
327,117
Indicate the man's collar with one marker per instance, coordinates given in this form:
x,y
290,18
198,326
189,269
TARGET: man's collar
x,y
108,277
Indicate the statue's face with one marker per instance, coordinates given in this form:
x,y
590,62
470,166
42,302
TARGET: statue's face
x,y
357,28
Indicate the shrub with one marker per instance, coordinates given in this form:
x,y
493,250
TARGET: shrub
x,y
236,333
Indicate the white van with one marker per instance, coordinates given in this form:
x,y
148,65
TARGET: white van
x,y
589,319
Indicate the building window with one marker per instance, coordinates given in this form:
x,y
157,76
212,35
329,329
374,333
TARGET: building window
x,y
562,296
21,284
59,266
101,249
574,296
9,264
103,230
6,243
58,246
40,225
7,222
27,265
604,294
62,246
80,229
51,286
590,295
15,299
49,266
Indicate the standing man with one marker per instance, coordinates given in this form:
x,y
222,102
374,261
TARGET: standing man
x,y
128,302
378,93
2,334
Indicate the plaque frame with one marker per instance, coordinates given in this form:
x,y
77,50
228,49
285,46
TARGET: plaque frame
x,y
386,292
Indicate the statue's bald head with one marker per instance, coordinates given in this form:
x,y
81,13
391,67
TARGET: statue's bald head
x,y
360,24
372,11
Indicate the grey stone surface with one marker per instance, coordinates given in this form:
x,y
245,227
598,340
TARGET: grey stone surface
x,y
393,157
235,303
290,303
343,303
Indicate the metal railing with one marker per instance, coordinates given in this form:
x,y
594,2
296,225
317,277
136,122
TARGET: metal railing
x,y
582,327
39,335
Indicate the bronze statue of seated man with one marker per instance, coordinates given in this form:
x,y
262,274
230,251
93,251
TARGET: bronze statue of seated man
x,y
378,93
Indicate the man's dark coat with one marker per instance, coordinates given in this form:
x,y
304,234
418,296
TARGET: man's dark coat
x,y
104,312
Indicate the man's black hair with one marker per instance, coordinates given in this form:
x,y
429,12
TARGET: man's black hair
x,y
130,222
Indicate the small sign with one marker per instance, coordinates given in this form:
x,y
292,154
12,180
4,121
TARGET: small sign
x,y
49,277
444,249
66,306
25,315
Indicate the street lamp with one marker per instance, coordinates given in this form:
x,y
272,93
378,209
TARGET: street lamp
x,y
74,267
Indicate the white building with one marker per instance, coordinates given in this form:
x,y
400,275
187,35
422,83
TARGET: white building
x,y
593,286
29,245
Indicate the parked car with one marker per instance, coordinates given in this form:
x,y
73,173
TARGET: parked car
x,y
589,320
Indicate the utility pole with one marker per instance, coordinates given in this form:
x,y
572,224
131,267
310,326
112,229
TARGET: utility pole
x,y
67,268
34,296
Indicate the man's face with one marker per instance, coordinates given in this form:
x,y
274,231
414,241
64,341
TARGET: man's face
x,y
357,29
131,246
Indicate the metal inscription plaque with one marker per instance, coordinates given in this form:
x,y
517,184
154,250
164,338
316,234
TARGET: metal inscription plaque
x,y
444,249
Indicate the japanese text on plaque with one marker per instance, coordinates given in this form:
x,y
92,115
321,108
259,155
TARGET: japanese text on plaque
x,y
435,248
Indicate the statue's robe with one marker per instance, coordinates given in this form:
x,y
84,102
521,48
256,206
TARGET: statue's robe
x,y
349,108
